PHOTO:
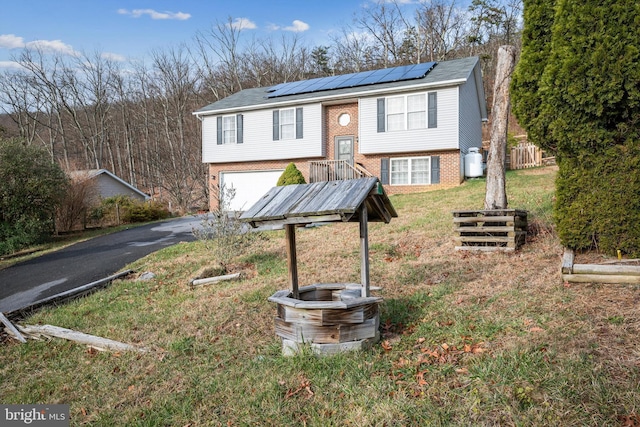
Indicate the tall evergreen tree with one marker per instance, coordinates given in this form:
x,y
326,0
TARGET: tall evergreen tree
x,y
536,46
590,87
589,114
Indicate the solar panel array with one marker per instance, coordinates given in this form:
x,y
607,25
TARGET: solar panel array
x,y
395,74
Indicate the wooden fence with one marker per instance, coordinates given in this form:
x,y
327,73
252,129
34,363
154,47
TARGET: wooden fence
x,y
525,155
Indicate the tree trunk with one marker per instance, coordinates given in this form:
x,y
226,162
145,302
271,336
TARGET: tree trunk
x,y
496,195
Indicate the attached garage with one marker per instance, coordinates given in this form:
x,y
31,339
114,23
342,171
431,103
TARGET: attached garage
x,y
249,186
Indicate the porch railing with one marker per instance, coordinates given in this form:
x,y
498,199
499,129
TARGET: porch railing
x,y
335,170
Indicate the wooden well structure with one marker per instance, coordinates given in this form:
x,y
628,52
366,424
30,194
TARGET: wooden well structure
x,y
330,317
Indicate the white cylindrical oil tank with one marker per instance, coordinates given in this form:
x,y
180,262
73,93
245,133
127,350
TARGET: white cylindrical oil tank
x,y
473,163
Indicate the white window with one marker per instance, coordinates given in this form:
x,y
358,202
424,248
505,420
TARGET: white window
x,y
399,171
420,170
288,123
229,130
416,111
395,113
411,171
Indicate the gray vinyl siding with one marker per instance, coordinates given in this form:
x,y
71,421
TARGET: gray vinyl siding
x,y
258,143
470,117
443,137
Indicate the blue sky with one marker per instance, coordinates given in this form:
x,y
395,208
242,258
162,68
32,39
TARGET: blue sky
x,y
132,28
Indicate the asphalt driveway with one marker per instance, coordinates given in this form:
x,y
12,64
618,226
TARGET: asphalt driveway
x,y
38,279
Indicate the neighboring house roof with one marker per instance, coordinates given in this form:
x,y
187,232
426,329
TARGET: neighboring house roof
x,y
93,173
445,73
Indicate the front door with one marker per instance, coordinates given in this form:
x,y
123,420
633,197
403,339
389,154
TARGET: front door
x,y
344,148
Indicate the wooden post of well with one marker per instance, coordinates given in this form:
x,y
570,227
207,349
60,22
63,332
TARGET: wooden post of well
x,y
292,261
364,251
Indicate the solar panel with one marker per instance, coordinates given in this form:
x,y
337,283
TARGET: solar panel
x,y
394,76
386,75
419,70
276,87
305,85
326,82
375,77
350,82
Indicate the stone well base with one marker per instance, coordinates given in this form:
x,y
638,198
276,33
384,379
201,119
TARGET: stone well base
x,y
327,318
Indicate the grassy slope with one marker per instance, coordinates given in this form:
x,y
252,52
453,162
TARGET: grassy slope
x,y
469,339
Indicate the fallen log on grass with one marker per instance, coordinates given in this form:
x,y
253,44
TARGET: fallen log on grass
x,y
12,329
210,280
98,343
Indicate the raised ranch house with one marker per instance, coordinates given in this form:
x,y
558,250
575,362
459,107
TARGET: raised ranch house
x,y
410,126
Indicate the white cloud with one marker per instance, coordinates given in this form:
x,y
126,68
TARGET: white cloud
x,y
113,57
10,65
52,46
11,41
153,14
297,26
243,24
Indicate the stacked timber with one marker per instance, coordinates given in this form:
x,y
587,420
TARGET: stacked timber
x,y
329,318
598,273
490,230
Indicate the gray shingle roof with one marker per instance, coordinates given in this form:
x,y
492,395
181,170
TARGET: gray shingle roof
x,y
454,70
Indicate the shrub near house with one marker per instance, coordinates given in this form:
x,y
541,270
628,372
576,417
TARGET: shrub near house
x,y
31,187
123,209
291,175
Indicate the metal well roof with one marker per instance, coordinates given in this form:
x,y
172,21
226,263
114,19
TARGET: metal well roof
x,y
328,201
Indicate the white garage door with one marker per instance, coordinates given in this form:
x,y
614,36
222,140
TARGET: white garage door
x,y
249,186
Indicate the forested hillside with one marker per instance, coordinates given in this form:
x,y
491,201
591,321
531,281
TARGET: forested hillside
x,y
134,118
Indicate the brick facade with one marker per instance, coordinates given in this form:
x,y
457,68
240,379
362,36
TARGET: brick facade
x,y
449,160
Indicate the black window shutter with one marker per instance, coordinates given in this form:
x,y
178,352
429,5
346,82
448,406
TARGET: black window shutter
x,y
219,129
276,125
435,169
299,123
381,115
433,110
239,129
384,170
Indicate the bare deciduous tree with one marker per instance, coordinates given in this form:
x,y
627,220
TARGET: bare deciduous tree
x,y
496,195
387,27
442,29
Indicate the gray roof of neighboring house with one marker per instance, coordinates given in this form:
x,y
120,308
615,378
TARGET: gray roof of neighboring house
x,y
445,71
92,173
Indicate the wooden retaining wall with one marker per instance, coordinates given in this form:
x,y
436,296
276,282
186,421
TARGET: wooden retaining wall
x,y
490,230
598,273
